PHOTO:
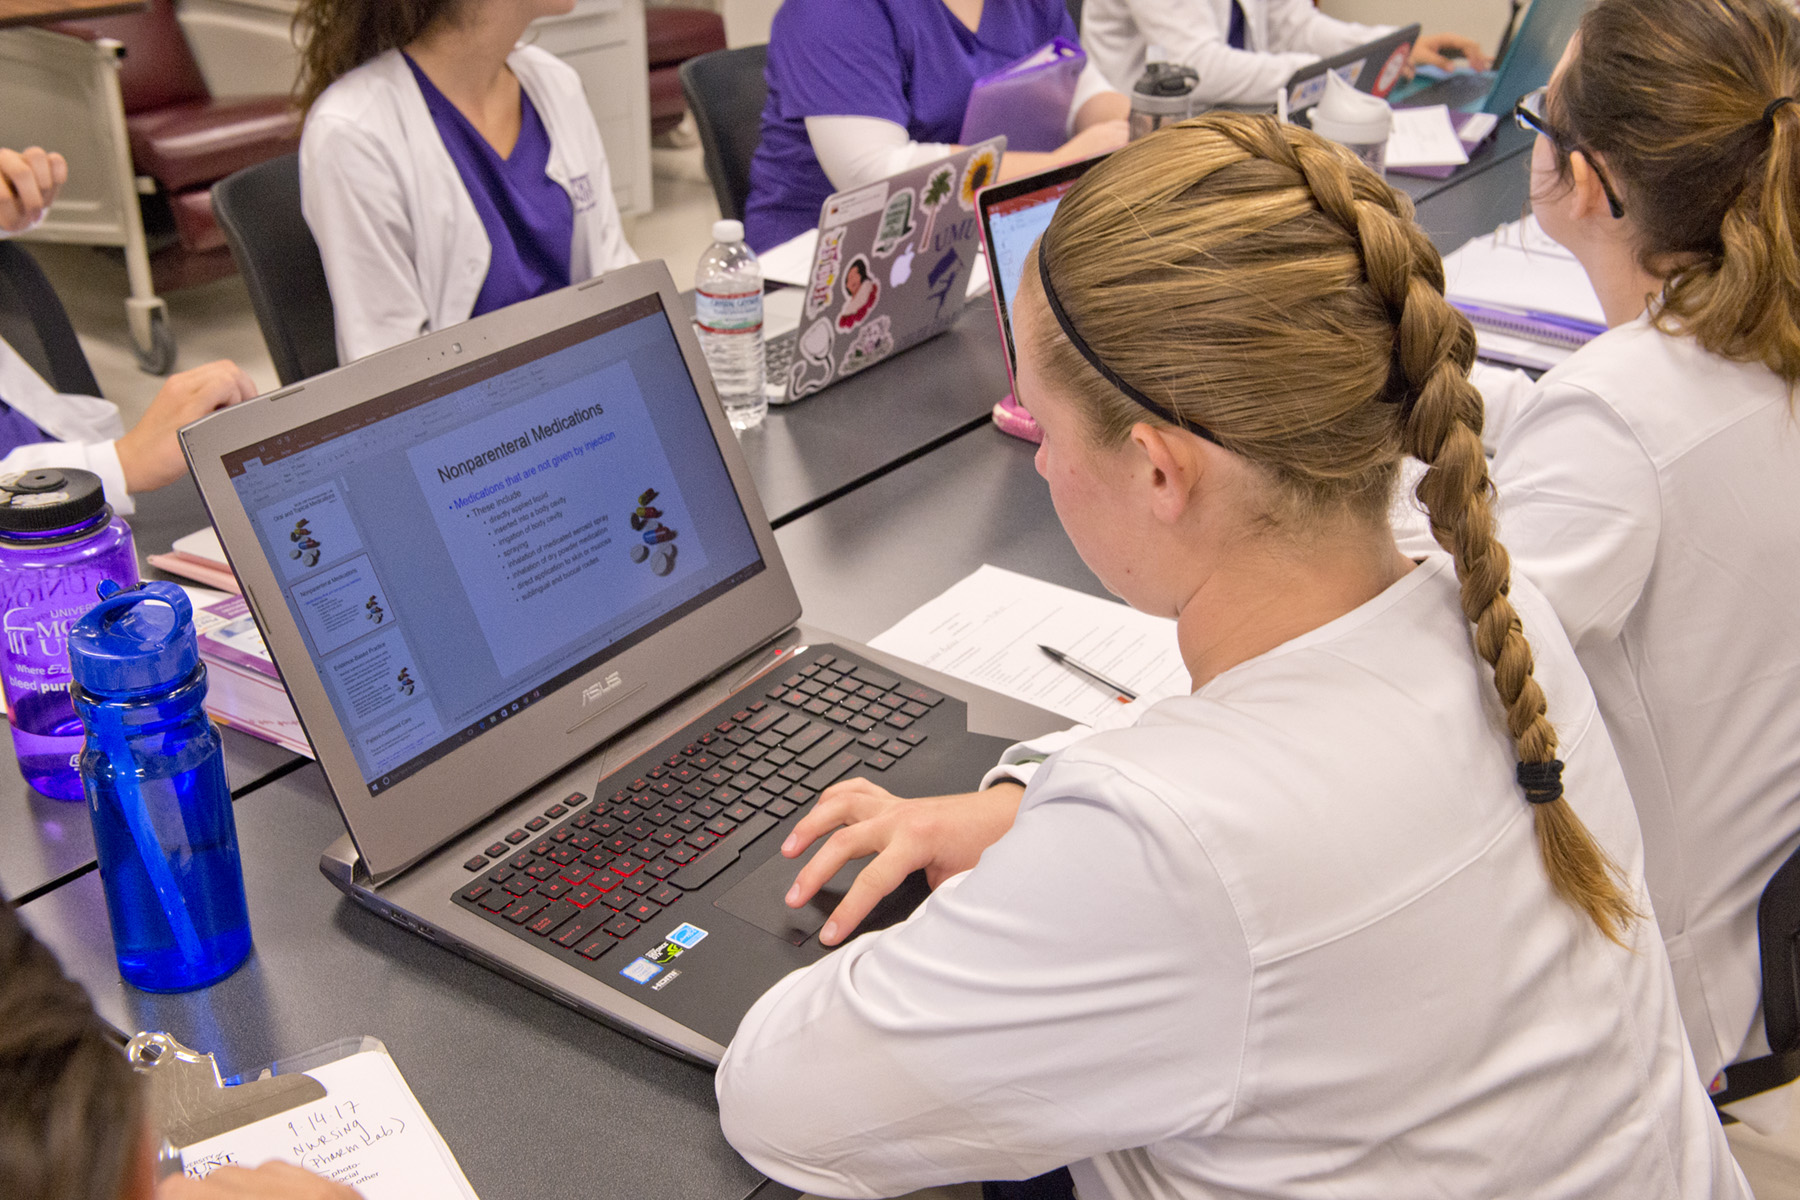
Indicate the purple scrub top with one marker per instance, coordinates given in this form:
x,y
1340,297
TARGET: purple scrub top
x,y
528,217
17,429
906,61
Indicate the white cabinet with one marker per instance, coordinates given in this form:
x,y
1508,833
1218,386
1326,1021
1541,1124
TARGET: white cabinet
x,y
246,46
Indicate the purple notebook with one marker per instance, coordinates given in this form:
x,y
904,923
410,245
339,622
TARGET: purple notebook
x,y
1027,101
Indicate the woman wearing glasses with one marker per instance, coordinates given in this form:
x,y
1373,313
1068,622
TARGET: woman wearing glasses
x,y
1330,926
1650,485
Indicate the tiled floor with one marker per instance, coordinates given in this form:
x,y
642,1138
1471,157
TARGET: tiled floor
x,y
215,322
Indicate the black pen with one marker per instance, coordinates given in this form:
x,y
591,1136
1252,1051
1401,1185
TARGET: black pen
x,y
1073,665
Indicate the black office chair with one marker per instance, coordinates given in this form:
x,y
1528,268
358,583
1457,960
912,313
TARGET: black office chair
x,y
1778,931
33,322
259,210
725,92
1075,11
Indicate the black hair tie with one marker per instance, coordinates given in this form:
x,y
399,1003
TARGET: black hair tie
x,y
1542,781
1775,106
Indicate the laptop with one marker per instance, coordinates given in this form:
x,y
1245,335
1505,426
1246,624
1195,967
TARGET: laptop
x,y
1374,67
1525,63
891,268
1012,216
517,580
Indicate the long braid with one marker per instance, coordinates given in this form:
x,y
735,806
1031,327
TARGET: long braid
x,y
1434,352
1259,246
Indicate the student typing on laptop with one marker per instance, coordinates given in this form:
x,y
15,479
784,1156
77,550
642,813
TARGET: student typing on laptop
x,y
42,428
863,89
1244,50
1330,925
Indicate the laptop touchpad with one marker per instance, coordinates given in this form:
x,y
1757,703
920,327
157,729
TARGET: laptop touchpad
x,y
761,898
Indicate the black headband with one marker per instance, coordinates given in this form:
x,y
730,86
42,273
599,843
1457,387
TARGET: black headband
x,y
1106,372
1775,106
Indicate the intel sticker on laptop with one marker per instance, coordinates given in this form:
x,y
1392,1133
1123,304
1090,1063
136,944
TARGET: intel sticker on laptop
x,y
641,970
688,936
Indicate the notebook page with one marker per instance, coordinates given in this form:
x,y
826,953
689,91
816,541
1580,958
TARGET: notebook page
x,y
368,1133
987,628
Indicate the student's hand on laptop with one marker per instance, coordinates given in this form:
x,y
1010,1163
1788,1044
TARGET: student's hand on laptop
x,y
150,455
271,1181
945,835
29,181
1441,49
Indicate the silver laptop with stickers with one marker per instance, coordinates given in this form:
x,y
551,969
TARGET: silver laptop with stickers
x,y
891,269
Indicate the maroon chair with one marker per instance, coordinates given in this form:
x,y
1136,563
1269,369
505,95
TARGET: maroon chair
x,y
183,141
672,36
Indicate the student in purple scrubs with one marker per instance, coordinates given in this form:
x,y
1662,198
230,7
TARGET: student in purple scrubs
x,y
445,169
863,89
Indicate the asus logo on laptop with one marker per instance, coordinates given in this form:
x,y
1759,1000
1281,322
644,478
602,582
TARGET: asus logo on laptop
x,y
594,691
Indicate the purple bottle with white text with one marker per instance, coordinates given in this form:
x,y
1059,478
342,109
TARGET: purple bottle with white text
x,y
58,540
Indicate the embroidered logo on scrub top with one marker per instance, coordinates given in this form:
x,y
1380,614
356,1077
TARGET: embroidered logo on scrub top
x,y
581,188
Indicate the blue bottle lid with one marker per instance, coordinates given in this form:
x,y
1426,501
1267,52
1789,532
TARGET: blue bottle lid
x,y
138,639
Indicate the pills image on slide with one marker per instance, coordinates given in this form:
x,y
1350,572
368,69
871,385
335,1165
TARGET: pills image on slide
x,y
658,545
644,515
405,681
639,552
306,546
662,560
374,611
655,537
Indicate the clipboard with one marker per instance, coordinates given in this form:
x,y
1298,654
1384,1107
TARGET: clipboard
x,y
342,1110
1027,101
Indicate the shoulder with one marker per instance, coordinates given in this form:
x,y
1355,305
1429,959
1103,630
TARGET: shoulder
x,y
1666,390
863,24
543,67
376,88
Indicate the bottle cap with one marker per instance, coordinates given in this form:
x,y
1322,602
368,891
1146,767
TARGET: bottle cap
x,y
728,230
138,639
1165,90
52,498
1349,116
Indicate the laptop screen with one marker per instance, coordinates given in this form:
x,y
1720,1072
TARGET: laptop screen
x,y
454,551
1013,224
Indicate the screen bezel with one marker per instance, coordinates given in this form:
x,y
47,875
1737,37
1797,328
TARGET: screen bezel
x,y
404,822
1375,54
999,193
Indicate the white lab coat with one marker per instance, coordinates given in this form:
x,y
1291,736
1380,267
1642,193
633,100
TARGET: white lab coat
x,y
85,429
1652,491
1280,37
1288,936
404,250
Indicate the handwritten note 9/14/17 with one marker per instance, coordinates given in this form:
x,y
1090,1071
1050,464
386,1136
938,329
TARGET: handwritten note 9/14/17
x,y
368,1133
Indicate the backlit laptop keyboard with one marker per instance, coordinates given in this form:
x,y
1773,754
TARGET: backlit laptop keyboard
x,y
583,875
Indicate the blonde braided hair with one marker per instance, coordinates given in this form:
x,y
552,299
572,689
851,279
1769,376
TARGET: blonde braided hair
x,y
1264,286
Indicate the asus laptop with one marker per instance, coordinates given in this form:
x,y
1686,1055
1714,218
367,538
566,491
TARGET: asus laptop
x,y
529,609
891,269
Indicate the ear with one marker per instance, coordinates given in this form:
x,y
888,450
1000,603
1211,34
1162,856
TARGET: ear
x,y
1587,197
1173,466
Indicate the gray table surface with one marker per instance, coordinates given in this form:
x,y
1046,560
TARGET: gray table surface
x,y
807,454
47,841
533,1099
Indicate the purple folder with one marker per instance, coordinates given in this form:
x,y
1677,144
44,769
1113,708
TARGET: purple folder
x,y
1027,101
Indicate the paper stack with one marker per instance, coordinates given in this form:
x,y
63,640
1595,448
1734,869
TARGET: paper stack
x,y
243,688
1529,299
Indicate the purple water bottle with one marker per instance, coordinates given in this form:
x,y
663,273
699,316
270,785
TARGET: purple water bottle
x,y
58,540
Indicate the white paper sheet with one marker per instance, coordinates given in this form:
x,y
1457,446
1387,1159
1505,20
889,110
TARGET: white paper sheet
x,y
987,628
1519,266
368,1133
1424,137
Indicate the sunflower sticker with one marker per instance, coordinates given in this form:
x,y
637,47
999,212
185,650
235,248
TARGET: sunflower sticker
x,y
982,166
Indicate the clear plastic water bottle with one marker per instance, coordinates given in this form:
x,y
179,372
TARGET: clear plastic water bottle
x,y
155,780
58,540
728,310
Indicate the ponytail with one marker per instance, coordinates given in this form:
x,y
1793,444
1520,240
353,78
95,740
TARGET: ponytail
x,y
1256,246
1692,104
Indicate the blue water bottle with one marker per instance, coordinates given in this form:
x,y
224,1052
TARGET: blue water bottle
x,y
154,776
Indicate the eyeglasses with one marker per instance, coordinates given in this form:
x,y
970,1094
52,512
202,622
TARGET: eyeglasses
x,y
1529,113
